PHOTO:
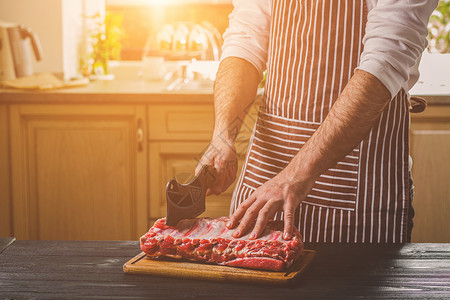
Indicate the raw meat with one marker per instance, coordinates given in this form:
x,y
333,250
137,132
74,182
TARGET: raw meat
x,y
209,240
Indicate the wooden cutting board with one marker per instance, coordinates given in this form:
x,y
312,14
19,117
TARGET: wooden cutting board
x,y
167,267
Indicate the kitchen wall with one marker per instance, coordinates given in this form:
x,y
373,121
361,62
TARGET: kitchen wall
x,y
59,26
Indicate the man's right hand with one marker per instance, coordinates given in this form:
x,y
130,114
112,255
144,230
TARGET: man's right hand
x,y
234,91
222,156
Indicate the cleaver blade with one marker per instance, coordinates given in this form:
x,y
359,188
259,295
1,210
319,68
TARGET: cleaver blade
x,y
187,201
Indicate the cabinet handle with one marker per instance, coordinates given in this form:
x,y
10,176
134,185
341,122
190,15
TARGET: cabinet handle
x,y
140,135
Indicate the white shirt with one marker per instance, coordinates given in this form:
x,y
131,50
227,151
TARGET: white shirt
x,y
395,38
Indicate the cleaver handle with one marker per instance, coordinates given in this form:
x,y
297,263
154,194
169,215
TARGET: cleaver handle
x,y
211,175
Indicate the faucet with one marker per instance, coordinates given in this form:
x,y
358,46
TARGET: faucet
x,y
214,39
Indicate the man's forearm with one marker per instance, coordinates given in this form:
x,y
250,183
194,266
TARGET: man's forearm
x,y
349,121
234,91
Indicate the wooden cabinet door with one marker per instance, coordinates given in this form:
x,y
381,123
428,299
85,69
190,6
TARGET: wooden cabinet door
x,y
5,195
170,159
430,150
78,172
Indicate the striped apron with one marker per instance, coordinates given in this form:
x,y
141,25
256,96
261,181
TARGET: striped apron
x,y
314,49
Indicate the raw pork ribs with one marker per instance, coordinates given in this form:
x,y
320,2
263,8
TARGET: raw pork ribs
x,y
210,241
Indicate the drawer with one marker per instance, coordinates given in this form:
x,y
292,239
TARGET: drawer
x,y
180,122
190,122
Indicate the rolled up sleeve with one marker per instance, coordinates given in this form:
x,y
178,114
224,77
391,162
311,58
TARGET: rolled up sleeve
x,y
395,38
247,35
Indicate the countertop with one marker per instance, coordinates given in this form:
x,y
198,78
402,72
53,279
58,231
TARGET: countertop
x,y
82,269
110,91
138,91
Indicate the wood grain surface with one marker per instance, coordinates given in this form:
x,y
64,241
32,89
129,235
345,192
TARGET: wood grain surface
x,y
77,172
141,264
429,148
5,242
5,184
93,269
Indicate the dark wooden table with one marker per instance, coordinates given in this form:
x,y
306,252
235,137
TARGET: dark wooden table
x,y
81,269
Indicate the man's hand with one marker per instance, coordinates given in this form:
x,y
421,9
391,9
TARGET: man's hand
x,y
283,191
222,156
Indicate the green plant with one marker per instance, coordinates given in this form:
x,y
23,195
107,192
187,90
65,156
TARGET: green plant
x,y
103,43
439,28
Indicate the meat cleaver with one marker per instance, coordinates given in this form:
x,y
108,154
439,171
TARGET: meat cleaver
x,y
187,201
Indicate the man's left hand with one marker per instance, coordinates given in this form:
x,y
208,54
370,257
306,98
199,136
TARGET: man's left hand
x,y
282,191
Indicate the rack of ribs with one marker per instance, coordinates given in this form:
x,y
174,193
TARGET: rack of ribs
x,y
208,240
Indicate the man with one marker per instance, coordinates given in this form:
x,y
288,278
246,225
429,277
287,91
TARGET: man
x,y
329,151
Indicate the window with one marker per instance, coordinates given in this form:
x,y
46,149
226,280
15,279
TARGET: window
x,y
142,19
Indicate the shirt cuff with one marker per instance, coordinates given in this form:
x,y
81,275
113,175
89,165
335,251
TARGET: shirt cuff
x,y
240,52
387,74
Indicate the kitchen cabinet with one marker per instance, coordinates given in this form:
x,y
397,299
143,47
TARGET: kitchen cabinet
x,y
429,148
5,194
86,166
78,171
